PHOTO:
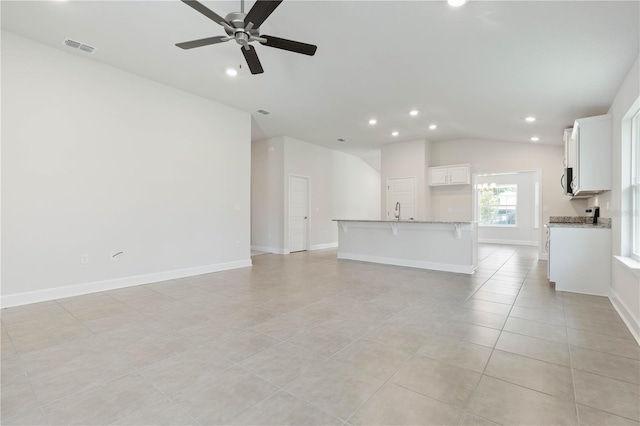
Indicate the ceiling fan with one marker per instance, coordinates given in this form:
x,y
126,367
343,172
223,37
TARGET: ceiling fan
x,y
244,29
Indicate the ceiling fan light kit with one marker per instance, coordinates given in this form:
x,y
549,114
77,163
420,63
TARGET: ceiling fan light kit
x,y
245,29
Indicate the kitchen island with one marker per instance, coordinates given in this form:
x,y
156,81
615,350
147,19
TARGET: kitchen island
x,y
440,246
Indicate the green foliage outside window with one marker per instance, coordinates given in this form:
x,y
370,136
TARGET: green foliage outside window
x,y
497,204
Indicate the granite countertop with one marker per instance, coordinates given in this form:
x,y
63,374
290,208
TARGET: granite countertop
x,y
401,221
578,222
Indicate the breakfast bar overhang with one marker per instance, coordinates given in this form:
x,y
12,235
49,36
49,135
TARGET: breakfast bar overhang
x,y
440,246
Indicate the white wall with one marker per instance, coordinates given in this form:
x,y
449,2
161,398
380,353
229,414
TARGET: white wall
x,y
501,157
267,186
313,161
526,232
95,160
356,188
625,283
340,186
406,159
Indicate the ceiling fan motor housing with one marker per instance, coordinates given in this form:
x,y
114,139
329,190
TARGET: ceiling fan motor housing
x,y
239,33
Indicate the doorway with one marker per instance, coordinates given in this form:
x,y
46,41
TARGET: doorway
x,y
403,191
507,207
298,213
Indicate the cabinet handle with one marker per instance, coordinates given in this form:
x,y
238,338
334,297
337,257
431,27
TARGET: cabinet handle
x,y
562,182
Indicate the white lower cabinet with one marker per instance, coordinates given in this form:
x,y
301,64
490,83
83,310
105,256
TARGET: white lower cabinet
x,y
580,259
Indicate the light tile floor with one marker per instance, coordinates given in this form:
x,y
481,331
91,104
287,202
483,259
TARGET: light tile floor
x,y
306,339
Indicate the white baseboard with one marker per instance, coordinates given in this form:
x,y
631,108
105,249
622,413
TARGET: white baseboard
x,y
323,246
510,242
460,269
26,298
266,249
633,324
277,250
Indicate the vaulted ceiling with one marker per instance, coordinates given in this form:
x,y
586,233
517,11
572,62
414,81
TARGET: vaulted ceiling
x,y
475,71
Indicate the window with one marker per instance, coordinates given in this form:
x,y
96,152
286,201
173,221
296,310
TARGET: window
x,y
497,204
635,183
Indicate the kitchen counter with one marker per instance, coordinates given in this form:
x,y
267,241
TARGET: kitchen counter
x,y
580,255
401,221
580,225
441,246
578,222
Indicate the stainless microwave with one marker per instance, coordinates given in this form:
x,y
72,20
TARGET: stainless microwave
x,y
567,180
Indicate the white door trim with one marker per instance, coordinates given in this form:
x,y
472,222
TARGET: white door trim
x,y
542,254
308,179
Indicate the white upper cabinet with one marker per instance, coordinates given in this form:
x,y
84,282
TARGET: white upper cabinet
x,y
590,151
438,176
450,175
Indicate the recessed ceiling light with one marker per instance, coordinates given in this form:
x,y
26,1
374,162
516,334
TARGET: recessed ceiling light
x,y
373,121
232,72
456,3
530,119
413,113
394,133
535,139
433,126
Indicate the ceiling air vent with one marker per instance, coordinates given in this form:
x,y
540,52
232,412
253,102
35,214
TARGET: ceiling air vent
x,y
80,46
87,48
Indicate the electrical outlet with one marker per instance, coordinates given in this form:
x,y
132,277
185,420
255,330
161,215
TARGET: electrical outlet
x,y
84,259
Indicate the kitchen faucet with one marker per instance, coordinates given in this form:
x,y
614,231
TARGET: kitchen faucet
x,y
397,208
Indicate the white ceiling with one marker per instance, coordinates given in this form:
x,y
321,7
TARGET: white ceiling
x,y
477,71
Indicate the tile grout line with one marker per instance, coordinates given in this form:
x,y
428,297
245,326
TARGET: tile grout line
x,y
344,289
471,395
463,412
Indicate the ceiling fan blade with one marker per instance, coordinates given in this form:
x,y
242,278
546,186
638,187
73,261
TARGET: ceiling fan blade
x,y
205,11
251,57
261,11
202,42
290,45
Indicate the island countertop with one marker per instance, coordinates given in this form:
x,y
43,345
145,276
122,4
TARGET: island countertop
x,y
404,221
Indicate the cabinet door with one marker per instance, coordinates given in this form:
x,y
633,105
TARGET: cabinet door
x,y
459,175
580,260
594,154
438,176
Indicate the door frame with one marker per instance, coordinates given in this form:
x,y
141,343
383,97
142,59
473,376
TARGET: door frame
x,y
542,254
415,190
308,180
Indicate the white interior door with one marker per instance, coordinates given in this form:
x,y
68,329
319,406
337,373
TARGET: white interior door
x,y
403,191
298,213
